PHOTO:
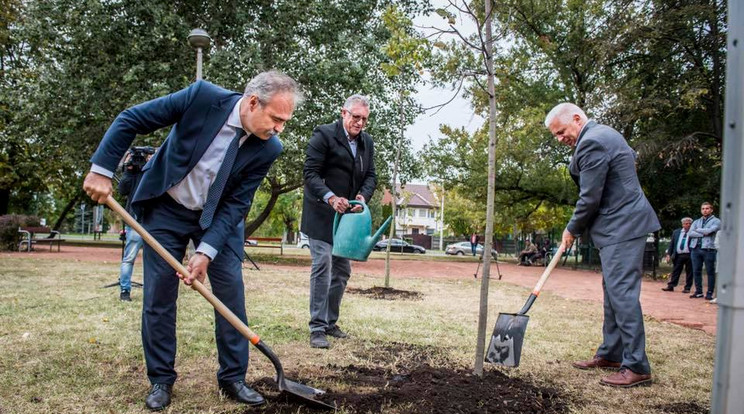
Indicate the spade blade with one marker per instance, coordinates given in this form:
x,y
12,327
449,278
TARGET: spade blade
x,y
505,347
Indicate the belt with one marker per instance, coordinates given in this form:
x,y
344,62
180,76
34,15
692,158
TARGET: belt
x,y
708,249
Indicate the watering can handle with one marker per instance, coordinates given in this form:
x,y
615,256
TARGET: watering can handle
x,y
337,216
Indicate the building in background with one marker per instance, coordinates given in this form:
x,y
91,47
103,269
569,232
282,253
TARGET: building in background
x,y
418,210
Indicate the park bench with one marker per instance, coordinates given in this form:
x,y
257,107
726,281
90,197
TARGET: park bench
x,y
29,237
263,242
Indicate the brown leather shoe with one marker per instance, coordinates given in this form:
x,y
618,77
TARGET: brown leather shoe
x,y
626,378
596,362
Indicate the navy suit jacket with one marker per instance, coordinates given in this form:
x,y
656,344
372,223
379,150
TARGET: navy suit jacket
x,y
196,114
611,201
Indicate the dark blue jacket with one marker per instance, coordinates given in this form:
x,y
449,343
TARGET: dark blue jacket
x,y
196,115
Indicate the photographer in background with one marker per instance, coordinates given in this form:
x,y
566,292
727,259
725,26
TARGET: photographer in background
x,y
135,159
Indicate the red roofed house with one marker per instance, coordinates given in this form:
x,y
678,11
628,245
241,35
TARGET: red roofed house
x,y
417,209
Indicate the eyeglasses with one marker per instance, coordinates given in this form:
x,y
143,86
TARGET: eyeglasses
x,y
357,118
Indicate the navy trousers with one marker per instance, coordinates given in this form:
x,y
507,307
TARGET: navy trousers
x,y
173,226
624,336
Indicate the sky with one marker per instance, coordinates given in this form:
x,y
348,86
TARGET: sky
x,y
458,113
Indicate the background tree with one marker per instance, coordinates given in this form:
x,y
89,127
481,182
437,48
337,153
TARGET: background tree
x,y
89,61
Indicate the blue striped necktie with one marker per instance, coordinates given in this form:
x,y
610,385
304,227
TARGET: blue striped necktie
x,y
215,190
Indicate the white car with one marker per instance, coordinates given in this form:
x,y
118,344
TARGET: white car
x,y
303,242
463,248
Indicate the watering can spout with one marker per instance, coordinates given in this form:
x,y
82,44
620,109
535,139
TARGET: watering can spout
x,y
352,234
381,230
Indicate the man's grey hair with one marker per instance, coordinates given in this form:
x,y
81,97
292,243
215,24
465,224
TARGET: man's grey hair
x,y
564,112
356,99
267,84
686,220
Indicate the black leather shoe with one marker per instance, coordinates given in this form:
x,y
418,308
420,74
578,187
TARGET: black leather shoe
x,y
668,289
686,291
318,340
159,397
241,393
336,332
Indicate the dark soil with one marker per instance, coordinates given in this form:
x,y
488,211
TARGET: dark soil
x,y
683,408
379,292
407,382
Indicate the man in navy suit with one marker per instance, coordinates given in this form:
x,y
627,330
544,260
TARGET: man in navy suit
x,y
617,214
198,187
679,254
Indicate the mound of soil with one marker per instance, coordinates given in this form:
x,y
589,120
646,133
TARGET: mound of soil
x,y
683,408
379,292
409,383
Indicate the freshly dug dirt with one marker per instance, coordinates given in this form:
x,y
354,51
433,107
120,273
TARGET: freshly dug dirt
x,y
411,384
379,292
683,408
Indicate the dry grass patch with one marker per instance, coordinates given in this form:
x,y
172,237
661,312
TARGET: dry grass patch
x,y
72,347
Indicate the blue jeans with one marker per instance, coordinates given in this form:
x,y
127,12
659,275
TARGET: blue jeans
x,y
328,278
131,249
707,257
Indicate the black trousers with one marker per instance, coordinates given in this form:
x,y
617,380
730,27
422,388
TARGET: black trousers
x,y
681,260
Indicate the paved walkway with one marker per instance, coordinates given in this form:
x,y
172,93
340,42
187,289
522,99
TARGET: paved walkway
x,y
674,307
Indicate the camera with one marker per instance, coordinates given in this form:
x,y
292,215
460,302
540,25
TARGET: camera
x,y
138,157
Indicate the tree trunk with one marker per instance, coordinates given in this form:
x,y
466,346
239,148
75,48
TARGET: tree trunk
x,y
70,205
488,237
4,201
394,194
276,191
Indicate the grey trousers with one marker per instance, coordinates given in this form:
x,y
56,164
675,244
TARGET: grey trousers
x,y
624,336
328,278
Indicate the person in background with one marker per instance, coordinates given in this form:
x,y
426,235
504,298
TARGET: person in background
x,y
474,243
702,244
132,173
678,253
529,251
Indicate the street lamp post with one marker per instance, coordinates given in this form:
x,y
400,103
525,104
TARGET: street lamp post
x,y
199,40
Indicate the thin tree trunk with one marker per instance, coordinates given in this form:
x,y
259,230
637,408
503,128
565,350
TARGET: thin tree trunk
x,y
4,201
394,194
276,191
483,310
70,205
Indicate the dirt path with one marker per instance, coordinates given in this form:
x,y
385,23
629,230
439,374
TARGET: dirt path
x,y
674,307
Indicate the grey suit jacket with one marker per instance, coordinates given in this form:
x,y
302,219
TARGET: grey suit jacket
x,y
611,202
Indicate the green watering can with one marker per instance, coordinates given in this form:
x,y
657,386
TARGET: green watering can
x,y
352,234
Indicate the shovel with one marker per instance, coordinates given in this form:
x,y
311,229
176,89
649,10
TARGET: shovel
x,y
304,393
508,334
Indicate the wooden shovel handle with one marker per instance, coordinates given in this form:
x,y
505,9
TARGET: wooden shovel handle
x,y
175,264
553,263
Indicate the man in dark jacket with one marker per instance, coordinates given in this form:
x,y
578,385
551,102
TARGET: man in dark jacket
x,y
617,214
198,187
131,174
339,166
678,253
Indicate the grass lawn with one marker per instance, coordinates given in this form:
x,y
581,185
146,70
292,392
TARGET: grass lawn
x,y
70,346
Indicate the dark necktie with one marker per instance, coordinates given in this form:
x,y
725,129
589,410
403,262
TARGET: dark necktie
x,y
215,190
683,242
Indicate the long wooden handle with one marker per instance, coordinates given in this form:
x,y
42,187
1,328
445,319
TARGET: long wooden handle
x,y
553,263
175,264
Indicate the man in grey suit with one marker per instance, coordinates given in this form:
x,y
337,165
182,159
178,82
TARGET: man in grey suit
x,y
617,214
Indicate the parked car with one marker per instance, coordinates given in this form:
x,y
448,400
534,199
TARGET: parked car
x,y
463,248
398,246
303,243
